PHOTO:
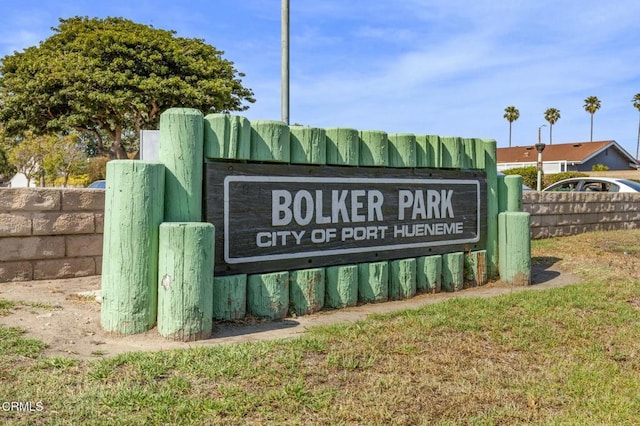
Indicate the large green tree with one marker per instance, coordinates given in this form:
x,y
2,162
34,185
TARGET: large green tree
x,y
511,113
112,76
591,105
636,104
552,115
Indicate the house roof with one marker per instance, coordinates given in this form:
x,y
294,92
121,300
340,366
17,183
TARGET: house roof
x,y
574,152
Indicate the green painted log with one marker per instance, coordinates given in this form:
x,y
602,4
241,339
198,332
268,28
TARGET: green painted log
x,y
185,273
452,153
469,153
433,149
374,148
475,268
452,272
134,209
491,170
402,284
306,291
268,295
402,150
429,273
270,141
373,282
181,151
227,136
308,145
341,286
515,247
343,146
479,145
230,297
509,193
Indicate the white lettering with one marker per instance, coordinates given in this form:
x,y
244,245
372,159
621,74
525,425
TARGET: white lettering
x,y
356,205
303,198
280,207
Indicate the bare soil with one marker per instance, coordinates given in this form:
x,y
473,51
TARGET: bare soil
x,y
65,315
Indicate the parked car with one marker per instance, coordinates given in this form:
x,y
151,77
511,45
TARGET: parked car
x,y
99,184
594,184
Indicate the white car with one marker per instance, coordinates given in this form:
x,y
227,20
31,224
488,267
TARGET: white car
x,y
594,184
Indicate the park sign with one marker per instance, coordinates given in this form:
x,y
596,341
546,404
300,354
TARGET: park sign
x,y
274,217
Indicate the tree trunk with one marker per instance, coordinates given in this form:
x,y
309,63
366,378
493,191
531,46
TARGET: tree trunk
x,y
117,150
509,134
638,144
591,127
550,134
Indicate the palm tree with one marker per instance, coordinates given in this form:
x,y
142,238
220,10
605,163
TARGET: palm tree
x,y
511,113
591,105
552,115
636,103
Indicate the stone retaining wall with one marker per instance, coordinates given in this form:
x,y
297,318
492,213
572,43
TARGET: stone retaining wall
x,y
49,233
557,214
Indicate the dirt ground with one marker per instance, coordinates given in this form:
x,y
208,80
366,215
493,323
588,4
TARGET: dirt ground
x,y
72,327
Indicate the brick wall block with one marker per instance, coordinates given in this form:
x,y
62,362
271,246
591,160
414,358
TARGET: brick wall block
x,y
84,245
99,222
63,268
15,271
29,199
98,260
15,224
29,248
79,199
63,223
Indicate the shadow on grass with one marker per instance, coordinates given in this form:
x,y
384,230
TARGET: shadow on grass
x,y
240,328
542,269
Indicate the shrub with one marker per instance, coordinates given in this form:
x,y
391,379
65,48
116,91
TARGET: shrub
x,y
97,169
556,177
529,175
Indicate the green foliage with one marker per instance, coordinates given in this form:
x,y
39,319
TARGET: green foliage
x,y
529,175
65,156
556,177
113,76
599,168
28,155
97,168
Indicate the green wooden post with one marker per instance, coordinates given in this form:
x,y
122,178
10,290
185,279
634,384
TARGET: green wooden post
x,y
308,145
230,297
433,149
134,209
268,295
515,247
452,271
185,273
452,153
429,273
479,147
491,170
374,148
181,151
402,284
402,150
306,291
227,136
270,141
469,153
475,270
341,286
509,193
373,282
343,146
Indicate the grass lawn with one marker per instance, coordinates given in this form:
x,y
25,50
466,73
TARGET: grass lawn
x,y
561,356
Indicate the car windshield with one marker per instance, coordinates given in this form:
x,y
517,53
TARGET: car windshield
x,y
631,184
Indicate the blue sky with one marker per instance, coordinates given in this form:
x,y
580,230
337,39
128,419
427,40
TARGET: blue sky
x,y
446,67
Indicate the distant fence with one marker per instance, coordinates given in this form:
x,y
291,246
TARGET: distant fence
x,y
49,233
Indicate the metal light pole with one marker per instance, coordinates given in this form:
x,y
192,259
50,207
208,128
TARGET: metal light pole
x,y
540,147
285,62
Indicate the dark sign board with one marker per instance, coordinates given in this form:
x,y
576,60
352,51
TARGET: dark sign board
x,y
271,217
